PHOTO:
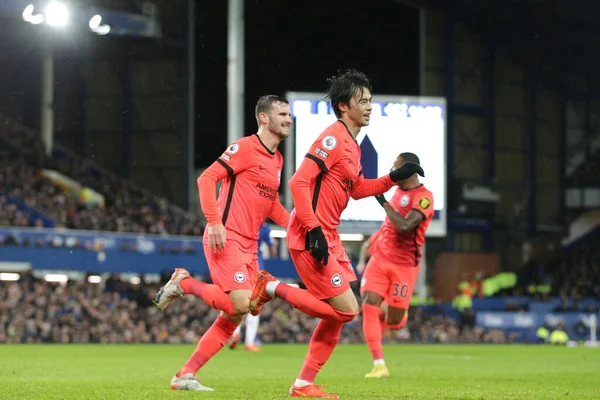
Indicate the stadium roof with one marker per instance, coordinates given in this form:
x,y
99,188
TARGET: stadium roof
x,y
558,39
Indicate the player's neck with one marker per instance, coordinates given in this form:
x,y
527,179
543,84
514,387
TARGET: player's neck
x,y
410,183
270,140
351,125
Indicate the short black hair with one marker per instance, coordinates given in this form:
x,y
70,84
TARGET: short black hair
x,y
344,85
265,103
412,157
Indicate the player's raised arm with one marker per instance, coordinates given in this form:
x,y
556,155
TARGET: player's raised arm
x,y
371,187
279,214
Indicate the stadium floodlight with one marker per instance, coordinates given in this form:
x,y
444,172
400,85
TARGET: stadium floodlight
x,y
29,16
59,278
278,234
135,280
352,237
57,14
95,25
95,22
94,279
9,276
344,237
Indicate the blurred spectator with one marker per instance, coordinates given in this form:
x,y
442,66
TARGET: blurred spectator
x,y
34,311
127,209
577,274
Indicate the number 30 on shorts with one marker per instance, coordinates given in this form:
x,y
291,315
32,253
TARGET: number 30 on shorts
x,y
400,290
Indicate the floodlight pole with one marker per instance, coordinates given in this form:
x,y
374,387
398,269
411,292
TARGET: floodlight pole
x,y
190,134
47,106
235,71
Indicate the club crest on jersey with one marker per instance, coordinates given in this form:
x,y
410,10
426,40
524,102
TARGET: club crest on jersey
x,y
336,280
239,277
329,142
233,148
404,200
424,203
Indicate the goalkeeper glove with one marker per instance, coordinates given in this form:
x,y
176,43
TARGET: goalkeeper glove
x,y
381,199
319,248
407,170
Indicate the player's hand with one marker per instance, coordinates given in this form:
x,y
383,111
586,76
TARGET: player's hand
x,y
381,199
319,248
360,267
217,237
407,170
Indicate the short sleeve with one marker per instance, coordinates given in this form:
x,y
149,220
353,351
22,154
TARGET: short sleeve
x,y
423,203
326,151
236,157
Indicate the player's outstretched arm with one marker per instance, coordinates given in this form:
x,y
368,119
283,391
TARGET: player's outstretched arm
x,y
279,214
371,187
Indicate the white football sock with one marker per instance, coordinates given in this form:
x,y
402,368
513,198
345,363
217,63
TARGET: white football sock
x,y
271,286
379,362
252,323
301,383
238,330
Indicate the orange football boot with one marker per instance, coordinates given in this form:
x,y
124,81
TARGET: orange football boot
x,y
252,348
259,294
313,391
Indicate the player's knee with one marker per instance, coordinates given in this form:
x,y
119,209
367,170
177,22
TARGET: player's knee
x,y
241,306
371,299
236,319
345,302
395,320
345,317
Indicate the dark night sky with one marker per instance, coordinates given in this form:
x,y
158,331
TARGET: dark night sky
x,y
295,46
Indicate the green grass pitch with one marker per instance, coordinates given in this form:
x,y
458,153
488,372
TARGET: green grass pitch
x,y
418,372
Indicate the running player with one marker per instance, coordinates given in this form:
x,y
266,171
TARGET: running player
x,y
250,169
390,276
329,175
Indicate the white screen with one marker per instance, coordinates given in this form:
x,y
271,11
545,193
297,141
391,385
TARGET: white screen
x,y
398,124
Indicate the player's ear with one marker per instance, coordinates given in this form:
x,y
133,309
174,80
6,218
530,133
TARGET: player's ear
x,y
263,118
343,107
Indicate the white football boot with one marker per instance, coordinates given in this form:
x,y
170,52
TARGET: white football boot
x,y
171,291
189,382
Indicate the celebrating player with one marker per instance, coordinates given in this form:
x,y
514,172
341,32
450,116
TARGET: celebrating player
x,y
393,269
252,321
321,187
250,169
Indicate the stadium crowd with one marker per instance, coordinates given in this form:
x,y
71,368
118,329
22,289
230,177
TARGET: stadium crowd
x,y
577,274
127,209
35,311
